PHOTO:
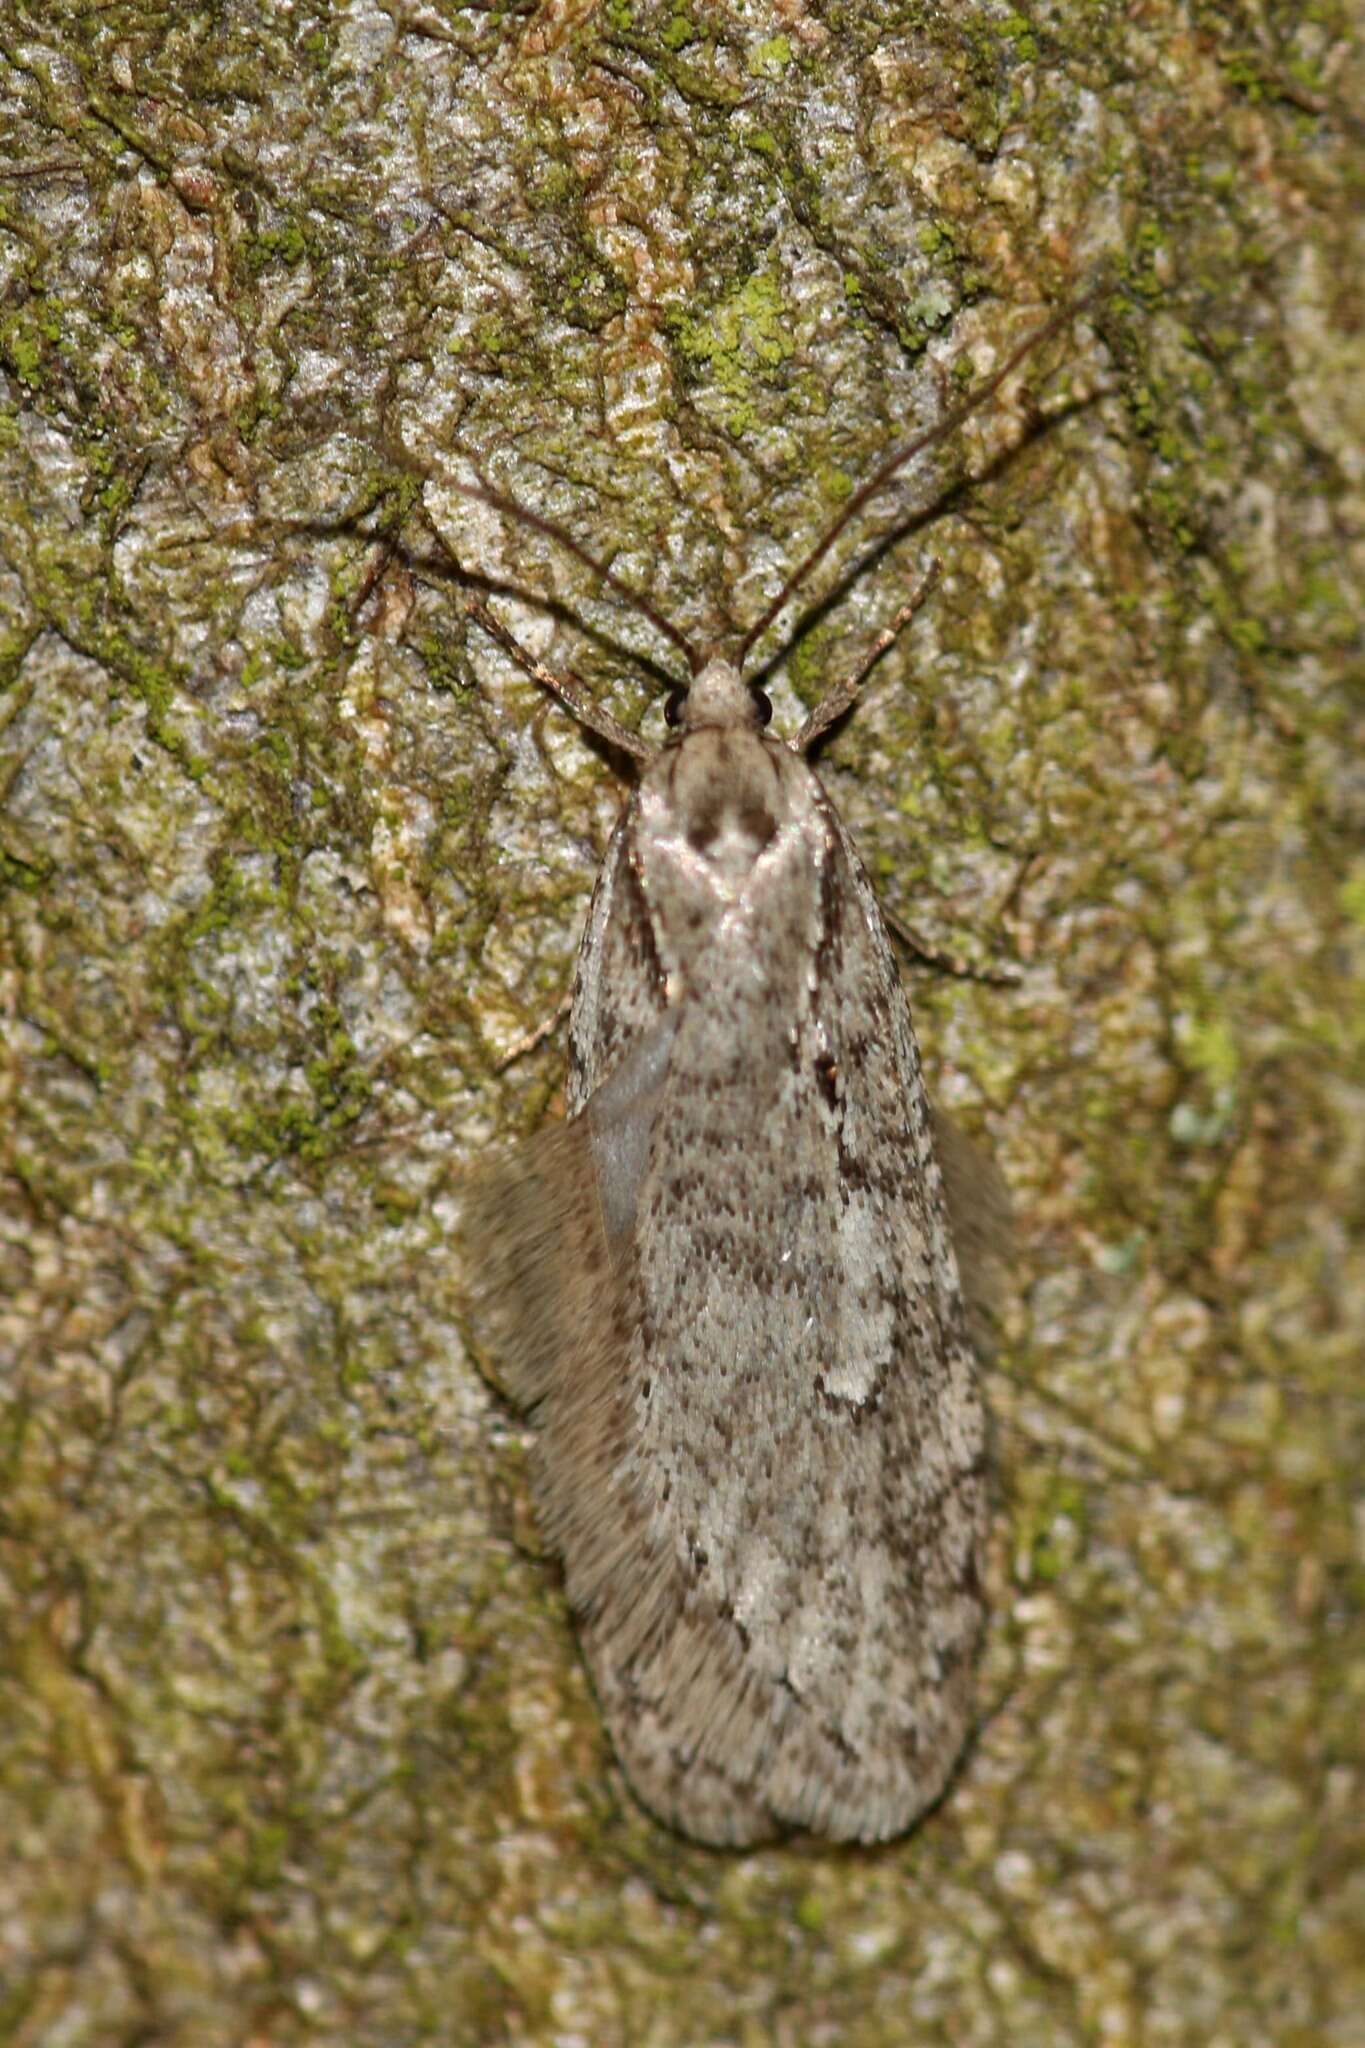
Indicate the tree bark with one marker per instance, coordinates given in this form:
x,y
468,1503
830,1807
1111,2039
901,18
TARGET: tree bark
x,y
297,1746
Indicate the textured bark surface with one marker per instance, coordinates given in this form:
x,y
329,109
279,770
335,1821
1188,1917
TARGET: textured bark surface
x,y
297,1748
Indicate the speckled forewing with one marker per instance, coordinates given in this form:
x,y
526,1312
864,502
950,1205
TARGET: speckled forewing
x,y
787,1634
618,991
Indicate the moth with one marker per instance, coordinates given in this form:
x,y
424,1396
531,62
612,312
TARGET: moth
x,y
728,1289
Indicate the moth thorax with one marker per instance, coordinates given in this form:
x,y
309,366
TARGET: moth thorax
x,y
718,695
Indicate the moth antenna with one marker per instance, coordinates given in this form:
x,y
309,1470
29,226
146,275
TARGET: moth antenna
x,y
900,456
540,524
576,699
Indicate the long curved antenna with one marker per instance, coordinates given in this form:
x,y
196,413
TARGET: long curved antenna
x,y
563,686
878,481
540,524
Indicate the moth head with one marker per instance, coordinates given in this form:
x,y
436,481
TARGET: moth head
x,y
718,696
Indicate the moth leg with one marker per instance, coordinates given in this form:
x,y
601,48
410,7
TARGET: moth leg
x,y
947,963
837,701
565,689
529,1040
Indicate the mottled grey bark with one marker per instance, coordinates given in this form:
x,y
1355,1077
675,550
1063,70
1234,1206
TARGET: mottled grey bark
x,y
296,1746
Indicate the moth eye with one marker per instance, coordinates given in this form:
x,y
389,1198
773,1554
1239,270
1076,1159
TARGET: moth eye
x,y
673,705
765,706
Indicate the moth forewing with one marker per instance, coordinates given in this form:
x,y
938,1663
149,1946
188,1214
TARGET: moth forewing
x,y
806,1433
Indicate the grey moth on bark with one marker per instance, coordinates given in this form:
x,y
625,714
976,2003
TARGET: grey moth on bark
x,y
729,1292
